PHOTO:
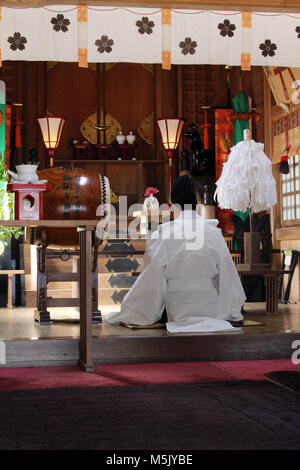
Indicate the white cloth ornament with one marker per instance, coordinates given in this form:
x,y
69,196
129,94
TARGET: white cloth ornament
x,y
247,180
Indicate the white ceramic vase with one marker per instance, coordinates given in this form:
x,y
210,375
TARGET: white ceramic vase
x,y
130,138
120,138
151,203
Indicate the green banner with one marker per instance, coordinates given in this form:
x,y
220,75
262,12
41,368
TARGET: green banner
x,y
240,104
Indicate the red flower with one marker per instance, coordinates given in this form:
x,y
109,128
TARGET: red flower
x,y
150,191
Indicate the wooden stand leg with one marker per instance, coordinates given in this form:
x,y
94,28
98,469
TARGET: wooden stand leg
x,y
42,316
96,314
9,291
271,293
85,302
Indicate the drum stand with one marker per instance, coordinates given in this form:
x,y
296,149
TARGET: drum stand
x,y
42,315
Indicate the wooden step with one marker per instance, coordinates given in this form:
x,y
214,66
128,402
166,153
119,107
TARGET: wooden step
x,y
59,293
61,285
107,264
111,281
114,275
62,277
106,297
62,302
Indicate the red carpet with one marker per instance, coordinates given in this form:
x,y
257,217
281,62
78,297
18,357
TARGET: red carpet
x,y
139,374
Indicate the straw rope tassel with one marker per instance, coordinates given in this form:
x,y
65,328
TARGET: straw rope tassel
x,y
166,21
246,40
82,24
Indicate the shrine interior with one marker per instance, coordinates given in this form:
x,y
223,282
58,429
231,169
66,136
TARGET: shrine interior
x,y
128,98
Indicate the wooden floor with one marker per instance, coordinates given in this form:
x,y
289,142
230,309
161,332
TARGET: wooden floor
x,y
28,343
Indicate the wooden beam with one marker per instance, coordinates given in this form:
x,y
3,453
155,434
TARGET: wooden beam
x,y
248,5
11,271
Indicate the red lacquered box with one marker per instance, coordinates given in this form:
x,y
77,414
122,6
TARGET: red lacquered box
x,y
28,200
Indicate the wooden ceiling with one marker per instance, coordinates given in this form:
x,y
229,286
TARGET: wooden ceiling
x,y
246,5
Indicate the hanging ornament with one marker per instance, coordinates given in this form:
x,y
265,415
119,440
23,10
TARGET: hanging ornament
x,y
207,157
284,161
247,180
18,123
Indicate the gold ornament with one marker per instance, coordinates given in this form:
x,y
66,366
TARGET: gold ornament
x,y
146,129
114,198
88,130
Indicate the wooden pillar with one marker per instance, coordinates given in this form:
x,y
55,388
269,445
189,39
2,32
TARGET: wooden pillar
x,y
85,301
34,76
267,119
140,183
157,110
267,116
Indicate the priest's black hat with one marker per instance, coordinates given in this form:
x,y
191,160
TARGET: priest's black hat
x,y
184,192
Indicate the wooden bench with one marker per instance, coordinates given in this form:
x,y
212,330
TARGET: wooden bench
x,y
10,273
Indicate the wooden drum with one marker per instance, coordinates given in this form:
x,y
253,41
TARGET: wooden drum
x,y
75,194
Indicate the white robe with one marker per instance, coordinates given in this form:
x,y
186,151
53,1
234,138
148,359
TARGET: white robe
x,y
200,288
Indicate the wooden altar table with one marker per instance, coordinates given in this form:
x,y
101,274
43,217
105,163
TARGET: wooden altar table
x,y
85,229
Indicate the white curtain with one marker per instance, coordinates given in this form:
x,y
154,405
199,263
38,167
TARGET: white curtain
x,y
115,34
